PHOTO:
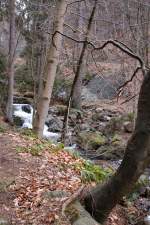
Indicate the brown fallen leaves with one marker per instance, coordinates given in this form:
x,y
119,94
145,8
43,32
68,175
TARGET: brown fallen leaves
x,y
42,191
44,183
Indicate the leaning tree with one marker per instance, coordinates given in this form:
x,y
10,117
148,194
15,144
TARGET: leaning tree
x,y
103,198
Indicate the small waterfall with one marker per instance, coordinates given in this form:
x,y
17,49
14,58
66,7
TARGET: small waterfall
x,y
25,112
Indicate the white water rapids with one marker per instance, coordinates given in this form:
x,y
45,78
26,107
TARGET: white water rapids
x,y
27,115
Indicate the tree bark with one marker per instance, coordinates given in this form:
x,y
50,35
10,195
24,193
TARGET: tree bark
x,y
100,201
76,98
77,84
9,105
50,69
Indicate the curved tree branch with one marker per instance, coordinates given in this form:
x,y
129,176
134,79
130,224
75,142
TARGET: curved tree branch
x,y
120,45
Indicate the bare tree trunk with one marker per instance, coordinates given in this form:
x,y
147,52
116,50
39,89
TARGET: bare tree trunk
x,y
50,70
100,201
77,85
9,106
77,79
76,98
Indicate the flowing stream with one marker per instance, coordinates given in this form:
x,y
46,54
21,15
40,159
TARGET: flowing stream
x,y
25,113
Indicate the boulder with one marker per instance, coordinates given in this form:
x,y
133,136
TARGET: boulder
x,y
78,215
28,94
52,110
18,121
26,108
61,110
99,110
115,124
54,124
85,126
91,140
103,115
22,100
109,152
128,126
103,88
88,96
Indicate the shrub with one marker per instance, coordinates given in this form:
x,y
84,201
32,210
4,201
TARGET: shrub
x,y
91,172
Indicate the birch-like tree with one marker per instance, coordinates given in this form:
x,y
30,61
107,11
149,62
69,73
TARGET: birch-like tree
x,y
10,66
50,69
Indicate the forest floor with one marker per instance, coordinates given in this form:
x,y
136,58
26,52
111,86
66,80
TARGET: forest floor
x,y
34,185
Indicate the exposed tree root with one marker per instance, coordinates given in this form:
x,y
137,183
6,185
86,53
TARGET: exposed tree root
x,y
78,215
75,212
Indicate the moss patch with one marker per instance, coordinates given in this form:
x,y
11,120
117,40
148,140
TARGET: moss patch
x,y
91,140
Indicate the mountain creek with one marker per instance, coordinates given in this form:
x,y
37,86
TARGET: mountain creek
x,y
96,133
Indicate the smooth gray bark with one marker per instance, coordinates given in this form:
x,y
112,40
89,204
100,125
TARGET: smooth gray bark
x,y
10,67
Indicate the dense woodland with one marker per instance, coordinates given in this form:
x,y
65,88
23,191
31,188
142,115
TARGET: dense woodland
x,y
75,112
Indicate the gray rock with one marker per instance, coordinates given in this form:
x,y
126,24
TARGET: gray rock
x,y
87,95
18,121
103,88
85,126
52,110
73,116
99,110
22,100
109,152
128,126
89,140
103,117
54,124
55,194
26,108
115,124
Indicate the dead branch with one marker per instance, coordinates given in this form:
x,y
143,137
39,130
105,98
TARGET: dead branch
x,y
120,42
117,44
128,81
66,36
129,99
123,49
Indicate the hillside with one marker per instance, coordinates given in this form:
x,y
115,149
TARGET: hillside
x,y
37,178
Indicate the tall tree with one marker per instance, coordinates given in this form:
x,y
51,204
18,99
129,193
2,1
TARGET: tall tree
x,y
10,67
50,69
75,95
77,84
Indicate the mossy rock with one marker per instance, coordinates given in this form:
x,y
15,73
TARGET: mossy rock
x,y
116,139
61,110
115,124
78,215
91,140
110,152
